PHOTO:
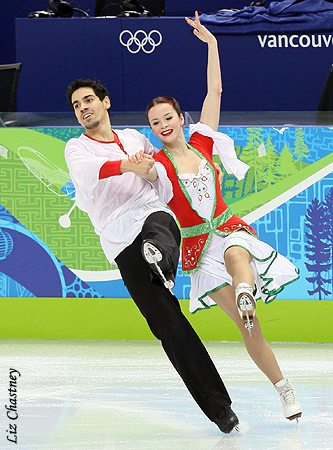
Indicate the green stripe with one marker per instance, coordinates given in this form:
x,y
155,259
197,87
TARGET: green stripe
x,y
204,228
63,318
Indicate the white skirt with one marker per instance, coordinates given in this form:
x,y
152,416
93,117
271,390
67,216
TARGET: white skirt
x,y
272,271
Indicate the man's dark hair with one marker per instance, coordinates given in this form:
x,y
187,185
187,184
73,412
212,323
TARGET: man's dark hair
x,y
100,91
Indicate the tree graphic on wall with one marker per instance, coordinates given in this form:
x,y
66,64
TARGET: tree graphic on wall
x,y
271,160
250,156
328,205
266,176
317,248
284,165
301,149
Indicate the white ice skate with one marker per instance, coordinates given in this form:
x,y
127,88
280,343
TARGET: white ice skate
x,y
246,304
290,404
153,256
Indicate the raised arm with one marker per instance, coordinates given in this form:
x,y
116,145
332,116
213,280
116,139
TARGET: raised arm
x,y
210,113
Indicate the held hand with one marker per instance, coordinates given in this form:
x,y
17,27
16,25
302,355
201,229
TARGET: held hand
x,y
138,157
143,167
200,31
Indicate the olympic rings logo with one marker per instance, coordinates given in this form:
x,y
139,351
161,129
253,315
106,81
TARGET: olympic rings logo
x,y
134,44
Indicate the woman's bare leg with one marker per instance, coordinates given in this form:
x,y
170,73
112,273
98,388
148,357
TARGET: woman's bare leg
x,y
256,345
237,262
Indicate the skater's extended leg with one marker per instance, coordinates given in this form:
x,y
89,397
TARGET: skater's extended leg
x,y
237,262
257,347
179,340
261,353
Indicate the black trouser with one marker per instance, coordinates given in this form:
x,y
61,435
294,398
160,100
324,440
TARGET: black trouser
x,y
165,319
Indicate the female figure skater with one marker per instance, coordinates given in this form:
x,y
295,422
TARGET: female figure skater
x,y
228,264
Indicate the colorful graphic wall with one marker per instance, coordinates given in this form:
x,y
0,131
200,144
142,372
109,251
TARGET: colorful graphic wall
x,y
48,248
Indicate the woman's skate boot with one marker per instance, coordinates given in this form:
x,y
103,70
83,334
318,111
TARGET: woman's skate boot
x,y
246,304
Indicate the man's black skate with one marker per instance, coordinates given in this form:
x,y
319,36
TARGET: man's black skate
x,y
159,262
227,420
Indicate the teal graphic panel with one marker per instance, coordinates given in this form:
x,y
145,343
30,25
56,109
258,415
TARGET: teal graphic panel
x,y
286,195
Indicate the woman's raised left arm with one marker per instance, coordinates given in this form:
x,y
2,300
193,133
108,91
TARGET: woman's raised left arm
x,y
210,112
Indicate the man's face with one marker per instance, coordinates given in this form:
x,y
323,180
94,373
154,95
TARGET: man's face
x,y
90,111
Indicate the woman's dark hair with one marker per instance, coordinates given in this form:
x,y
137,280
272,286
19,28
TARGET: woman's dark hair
x,y
164,99
100,91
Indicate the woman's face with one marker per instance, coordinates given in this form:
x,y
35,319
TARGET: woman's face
x,y
165,122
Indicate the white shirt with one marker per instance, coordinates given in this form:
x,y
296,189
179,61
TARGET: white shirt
x,y
201,188
117,206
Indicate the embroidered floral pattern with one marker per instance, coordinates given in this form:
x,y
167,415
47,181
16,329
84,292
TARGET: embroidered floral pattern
x,y
240,226
200,187
192,254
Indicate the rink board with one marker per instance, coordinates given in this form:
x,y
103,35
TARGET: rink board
x,y
59,318
56,283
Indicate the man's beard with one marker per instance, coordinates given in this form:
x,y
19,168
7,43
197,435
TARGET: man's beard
x,y
92,125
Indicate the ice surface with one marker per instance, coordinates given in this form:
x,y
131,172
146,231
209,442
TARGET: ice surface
x,y
103,395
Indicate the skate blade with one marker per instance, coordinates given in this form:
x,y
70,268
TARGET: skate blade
x,y
295,416
248,322
153,256
164,280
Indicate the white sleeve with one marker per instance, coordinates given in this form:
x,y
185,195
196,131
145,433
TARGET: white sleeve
x,y
84,168
224,147
147,145
162,185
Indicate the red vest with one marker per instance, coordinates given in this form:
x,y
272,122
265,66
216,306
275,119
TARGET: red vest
x,y
197,231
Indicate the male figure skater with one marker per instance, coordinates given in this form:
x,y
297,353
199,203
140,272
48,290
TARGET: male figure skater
x,y
140,234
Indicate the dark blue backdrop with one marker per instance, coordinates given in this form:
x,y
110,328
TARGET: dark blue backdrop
x,y
257,75
185,7
11,9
